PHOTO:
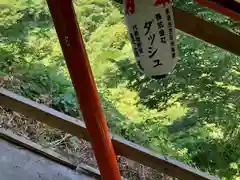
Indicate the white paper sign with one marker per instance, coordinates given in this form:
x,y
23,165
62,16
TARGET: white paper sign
x,y
151,31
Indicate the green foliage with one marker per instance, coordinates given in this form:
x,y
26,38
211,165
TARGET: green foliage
x,y
193,115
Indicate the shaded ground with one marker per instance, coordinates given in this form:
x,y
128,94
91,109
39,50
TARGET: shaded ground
x,y
19,163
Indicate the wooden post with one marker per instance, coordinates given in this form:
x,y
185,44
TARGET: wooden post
x,y
72,44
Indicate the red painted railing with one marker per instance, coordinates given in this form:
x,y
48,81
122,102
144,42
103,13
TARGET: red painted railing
x,y
72,44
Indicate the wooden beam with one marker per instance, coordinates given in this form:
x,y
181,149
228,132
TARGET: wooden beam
x,y
122,147
45,152
43,114
233,5
156,161
23,142
229,8
207,31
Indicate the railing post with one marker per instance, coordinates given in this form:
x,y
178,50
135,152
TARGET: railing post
x,y
72,44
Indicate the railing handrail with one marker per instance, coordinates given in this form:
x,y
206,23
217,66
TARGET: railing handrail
x,y
207,31
122,147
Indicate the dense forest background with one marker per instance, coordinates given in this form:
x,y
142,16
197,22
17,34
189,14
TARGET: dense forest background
x,y
193,115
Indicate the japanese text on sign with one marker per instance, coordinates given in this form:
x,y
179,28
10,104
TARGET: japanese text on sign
x,y
151,39
160,28
152,34
170,28
137,44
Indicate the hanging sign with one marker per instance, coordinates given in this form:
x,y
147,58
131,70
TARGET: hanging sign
x,y
151,31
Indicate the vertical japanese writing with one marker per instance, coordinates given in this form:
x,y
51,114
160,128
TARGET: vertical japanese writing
x,y
136,44
137,39
170,29
147,26
157,63
151,39
160,28
133,40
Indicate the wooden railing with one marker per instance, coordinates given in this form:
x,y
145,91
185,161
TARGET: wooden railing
x,y
122,147
207,31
